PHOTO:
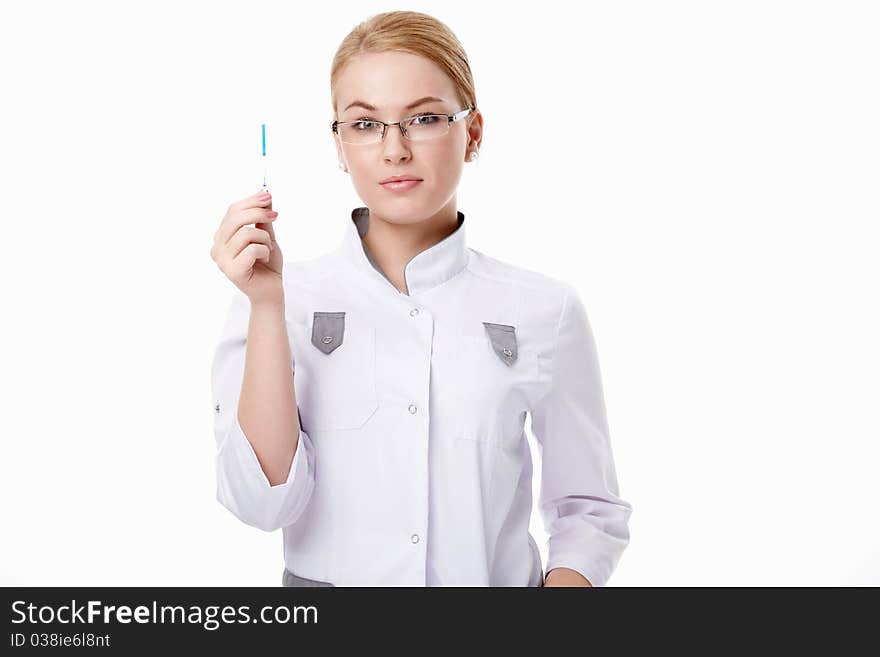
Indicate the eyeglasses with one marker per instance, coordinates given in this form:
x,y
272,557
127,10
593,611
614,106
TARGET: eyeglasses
x,y
420,127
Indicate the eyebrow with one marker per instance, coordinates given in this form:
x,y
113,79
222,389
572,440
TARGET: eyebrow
x,y
420,101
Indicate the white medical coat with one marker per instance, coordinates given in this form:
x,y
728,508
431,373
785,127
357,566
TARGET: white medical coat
x,y
413,467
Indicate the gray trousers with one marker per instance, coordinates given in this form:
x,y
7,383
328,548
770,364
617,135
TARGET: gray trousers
x,y
289,579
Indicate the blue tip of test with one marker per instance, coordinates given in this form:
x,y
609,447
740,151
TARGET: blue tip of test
x,y
264,140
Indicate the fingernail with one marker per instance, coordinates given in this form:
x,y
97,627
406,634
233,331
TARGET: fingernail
x,y
264,196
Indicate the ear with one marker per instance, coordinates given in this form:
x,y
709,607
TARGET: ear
x,y
475,128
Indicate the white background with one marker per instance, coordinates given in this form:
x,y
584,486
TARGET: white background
x,y
705,174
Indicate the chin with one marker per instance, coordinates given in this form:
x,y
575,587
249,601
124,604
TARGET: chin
x,y
408,218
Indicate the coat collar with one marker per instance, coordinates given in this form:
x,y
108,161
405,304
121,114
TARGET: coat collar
x,y
427,269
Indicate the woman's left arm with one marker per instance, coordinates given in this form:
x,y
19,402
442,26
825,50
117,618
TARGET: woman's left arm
x,y
580,505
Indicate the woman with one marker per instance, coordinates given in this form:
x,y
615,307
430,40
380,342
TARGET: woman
x,y
371,402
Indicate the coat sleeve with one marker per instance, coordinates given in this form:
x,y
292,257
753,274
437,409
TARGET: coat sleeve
x,y
242,486
583,514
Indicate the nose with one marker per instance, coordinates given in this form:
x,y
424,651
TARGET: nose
x,y
395,147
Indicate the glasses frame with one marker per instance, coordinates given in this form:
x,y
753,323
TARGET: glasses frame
x,y
451,118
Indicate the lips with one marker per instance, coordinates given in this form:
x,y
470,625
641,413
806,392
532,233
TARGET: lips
x,y
399,179
401,185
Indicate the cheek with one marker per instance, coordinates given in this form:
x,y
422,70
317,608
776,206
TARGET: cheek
x,y
363,172
448,173
444,166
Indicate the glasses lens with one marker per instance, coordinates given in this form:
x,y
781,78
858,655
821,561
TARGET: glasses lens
x,y
427,126
360,132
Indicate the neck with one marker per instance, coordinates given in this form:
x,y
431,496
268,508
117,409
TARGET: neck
x,y
393,245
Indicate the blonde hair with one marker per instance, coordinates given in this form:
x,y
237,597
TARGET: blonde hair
x,y
412,32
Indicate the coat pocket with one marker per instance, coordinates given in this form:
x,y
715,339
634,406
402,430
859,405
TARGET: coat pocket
x,y
487,375
335,372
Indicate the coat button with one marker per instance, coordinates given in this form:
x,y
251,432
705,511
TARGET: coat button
x,y
327,339
415,538
217,408
414,312
413,408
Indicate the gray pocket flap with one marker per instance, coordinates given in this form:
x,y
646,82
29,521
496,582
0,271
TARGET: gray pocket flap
x,y
503,338
328,330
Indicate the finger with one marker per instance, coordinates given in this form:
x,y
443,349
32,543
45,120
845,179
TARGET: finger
x,y
245,236
250,202
235,220
245,260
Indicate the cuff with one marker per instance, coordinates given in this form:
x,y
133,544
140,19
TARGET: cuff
x,y
587,549
246,454
244,489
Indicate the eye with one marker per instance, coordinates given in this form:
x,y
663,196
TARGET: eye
x,y
363,124
425,118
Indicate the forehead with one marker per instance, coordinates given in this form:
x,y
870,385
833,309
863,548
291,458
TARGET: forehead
x,y
391,80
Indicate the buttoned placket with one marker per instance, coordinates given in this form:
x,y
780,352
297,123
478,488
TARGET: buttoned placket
x,y
427,269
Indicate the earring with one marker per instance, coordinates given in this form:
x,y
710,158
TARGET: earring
x,y
341,166
473,156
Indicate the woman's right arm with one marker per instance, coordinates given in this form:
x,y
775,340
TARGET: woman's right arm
x,y
265,462
267,406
